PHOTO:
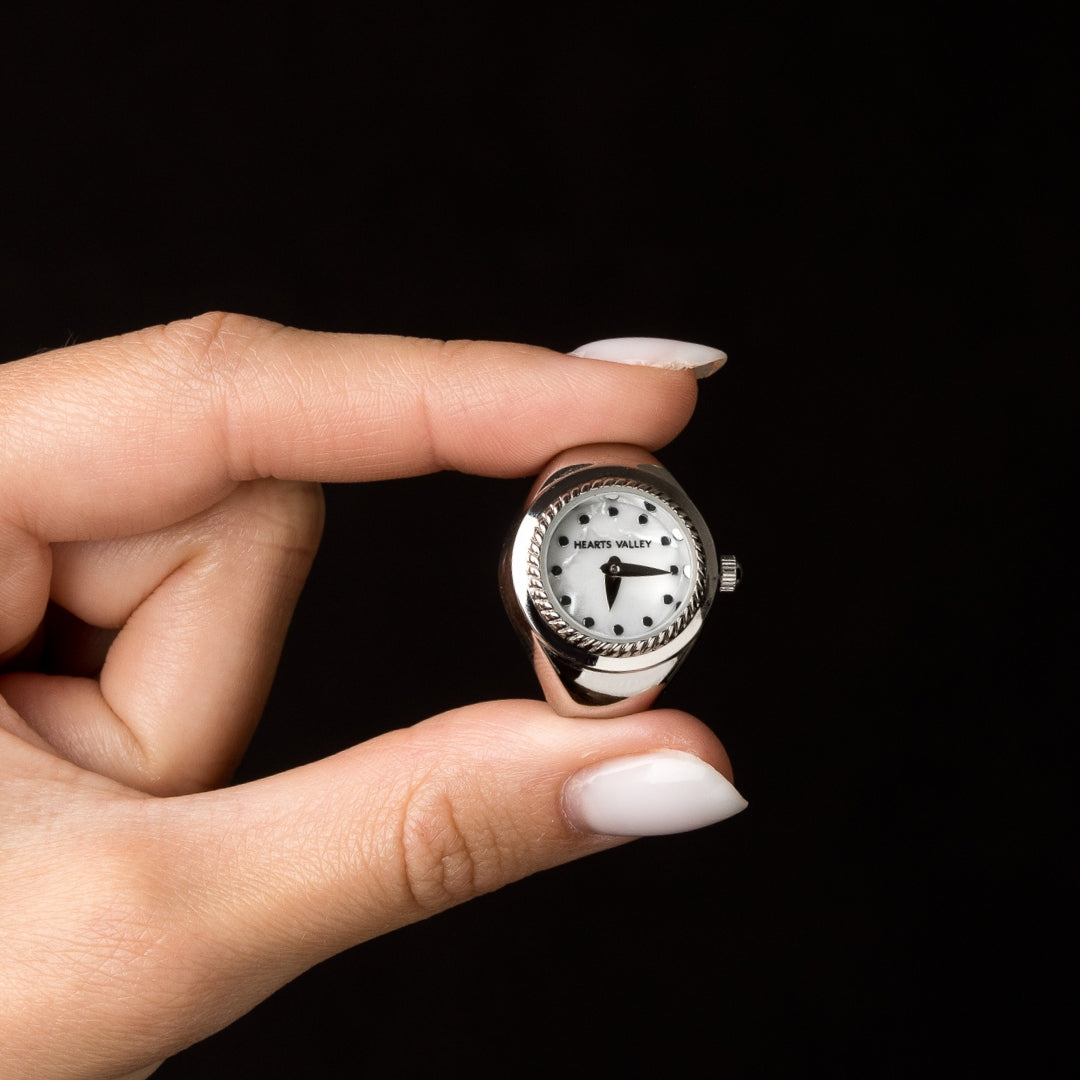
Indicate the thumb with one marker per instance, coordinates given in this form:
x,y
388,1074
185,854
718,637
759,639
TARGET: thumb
x,y
297,867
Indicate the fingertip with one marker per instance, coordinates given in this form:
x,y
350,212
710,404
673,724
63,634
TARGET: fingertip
x,y
502,409
664,353
666,773
654,794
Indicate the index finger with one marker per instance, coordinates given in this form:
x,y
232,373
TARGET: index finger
x,y
130,433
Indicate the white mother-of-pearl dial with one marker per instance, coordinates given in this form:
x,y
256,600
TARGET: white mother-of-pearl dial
x,y
617,564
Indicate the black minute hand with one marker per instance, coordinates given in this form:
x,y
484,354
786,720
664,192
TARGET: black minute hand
x,y
615,567
634,570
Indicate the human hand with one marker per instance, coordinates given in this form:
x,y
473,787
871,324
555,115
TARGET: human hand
x,y
158,517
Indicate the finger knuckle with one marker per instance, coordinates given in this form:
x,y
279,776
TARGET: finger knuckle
x,y
212,361
446,859
216,335
203,351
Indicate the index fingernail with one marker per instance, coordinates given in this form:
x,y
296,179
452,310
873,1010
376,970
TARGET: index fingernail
x,y
703,360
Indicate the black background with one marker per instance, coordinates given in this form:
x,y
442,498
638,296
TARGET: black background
x,y
863,206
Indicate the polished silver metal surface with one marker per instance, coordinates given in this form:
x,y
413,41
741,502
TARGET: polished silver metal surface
x,y
608,576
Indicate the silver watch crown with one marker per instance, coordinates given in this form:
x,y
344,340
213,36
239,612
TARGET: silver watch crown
x,y
730,573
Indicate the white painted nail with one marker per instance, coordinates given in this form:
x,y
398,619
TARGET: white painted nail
x,y
703,360
655,794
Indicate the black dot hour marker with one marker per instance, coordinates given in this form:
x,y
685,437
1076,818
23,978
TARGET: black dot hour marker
x,y
642,519
556,570
563,541
613,511
564,600
668,598
587,622
617,628
665,540
647,621
584,519
650,506
674,569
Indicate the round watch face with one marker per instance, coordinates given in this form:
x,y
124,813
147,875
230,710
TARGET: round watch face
x,y
620,568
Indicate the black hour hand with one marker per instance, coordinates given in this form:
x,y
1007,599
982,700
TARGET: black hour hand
x,y
612,571
611,588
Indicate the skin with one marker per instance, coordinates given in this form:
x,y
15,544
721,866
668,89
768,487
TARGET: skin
x,y
160,512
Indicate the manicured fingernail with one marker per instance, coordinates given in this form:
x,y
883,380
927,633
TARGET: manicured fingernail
x,y
655,794
703,360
